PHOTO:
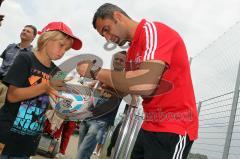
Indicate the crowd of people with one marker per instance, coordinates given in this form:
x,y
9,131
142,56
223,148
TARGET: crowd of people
x,y
155,67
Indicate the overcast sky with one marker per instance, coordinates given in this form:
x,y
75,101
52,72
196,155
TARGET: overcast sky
x,y
199,22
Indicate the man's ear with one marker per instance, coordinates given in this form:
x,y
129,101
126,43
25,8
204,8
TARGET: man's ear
x,y
117,15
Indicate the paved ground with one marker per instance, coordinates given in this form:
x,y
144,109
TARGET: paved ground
x,y
72,150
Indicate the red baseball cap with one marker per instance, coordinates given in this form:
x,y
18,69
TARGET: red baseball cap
x,y
60,26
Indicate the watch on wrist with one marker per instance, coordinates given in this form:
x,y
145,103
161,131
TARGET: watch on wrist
x,y
94,72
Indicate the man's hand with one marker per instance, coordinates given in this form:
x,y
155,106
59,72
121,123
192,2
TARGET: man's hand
x,y
54,85
84,68
90,84
58,85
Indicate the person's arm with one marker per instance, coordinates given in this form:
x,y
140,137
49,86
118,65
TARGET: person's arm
x,y
4,52
139,82
16,94
17,79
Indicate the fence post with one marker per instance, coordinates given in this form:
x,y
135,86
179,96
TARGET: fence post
x,y
232,116
199,107
125,128
133,135
190,60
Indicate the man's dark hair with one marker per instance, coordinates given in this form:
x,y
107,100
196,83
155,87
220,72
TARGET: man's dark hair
x,y
33,28
106,11
123,52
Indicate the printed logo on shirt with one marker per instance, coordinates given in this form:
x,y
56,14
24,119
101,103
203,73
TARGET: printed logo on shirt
x,y
30,117
38,77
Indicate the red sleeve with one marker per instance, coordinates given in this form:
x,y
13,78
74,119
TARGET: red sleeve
x,y
158,42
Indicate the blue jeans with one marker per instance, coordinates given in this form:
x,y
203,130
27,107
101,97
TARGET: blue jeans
x,y
12,157
88,137
102,136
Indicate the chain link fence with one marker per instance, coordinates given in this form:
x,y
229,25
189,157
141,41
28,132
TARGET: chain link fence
x,y
215,73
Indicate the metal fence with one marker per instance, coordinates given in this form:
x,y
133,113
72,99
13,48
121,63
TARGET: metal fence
x,y
216,78
218,135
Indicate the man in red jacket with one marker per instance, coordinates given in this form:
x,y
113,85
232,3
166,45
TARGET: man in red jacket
x,y
157,69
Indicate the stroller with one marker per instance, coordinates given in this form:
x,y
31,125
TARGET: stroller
x,y
49,141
